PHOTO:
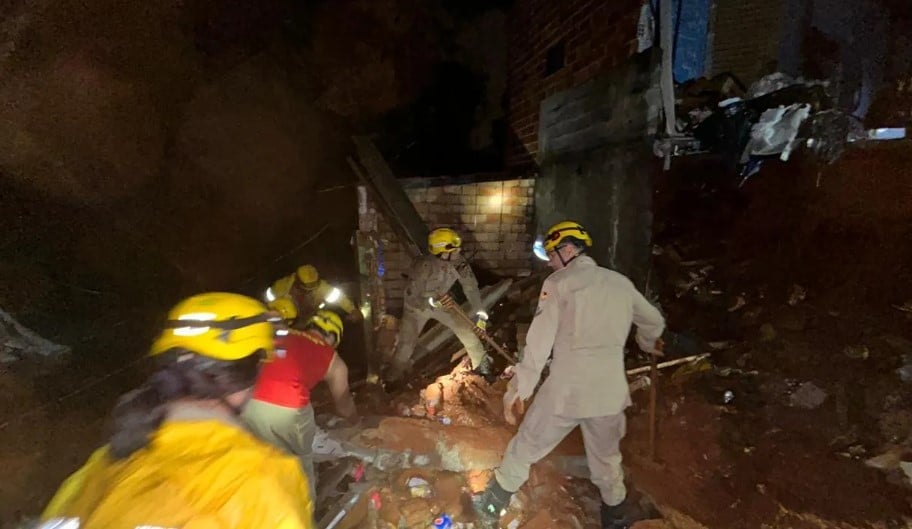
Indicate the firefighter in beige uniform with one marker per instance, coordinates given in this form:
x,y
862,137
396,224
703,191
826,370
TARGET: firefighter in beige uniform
x,y
583,320
431,277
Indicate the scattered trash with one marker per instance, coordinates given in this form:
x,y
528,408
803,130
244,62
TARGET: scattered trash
x,y
720,346
739,302
729,371
905,307
858,352
642,382
444,420
443,522
807,396
797,294
420,488
728,397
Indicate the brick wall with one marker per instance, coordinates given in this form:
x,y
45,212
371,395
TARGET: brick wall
x,y
494,219
597,35
747,37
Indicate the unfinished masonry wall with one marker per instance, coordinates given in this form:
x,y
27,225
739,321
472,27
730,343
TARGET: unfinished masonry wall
x,y
494,218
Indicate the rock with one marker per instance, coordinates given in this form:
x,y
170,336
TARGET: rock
x,y
796,295
906,467
767,332
807,396
888,460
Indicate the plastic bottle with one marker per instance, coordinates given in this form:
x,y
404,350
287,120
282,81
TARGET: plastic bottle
x,y
443,522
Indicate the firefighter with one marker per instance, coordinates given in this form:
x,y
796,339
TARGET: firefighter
x,y
311,293
430,278
582,322
280,411
179,455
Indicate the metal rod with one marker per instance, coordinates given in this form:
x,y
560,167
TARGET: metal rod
x,y
670,363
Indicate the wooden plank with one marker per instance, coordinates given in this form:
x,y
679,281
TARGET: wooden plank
x,y
391,197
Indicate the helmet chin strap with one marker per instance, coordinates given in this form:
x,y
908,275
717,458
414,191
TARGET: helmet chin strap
x,y
565,262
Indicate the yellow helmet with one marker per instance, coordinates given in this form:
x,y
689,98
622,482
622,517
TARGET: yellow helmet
x,y
561,231
443,240
286,307
308,275
330,322
218,325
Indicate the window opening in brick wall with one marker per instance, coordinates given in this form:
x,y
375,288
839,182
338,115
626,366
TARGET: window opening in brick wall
x,y
554,58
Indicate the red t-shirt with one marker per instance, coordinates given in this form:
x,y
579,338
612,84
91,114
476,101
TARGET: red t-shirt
x,y
287,381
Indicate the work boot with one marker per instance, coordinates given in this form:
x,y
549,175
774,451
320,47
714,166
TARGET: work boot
x,y
620,516
490,504
485,370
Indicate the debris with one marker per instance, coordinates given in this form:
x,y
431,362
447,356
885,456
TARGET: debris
x,y
17,342
728,397
768,333
697,366
858,352
720,346
889,460
905,371
807,396
905,307
739,302
797,294
906,467
669,363
419,488
776,131
443,522
770,83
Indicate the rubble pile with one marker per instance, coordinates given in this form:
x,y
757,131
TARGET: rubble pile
x,y
436,448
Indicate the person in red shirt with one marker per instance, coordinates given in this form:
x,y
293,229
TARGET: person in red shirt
x,y
280,411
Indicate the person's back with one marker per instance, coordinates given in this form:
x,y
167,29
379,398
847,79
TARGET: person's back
x,y
201,473
287,381
598,307
177,456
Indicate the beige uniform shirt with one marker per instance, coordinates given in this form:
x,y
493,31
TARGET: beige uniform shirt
x,y
431,276
583,317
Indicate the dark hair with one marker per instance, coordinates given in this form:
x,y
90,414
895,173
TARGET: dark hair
x,y
182,374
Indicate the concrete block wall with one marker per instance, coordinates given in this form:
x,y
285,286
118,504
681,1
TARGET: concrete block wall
x,y
747,37
598,35
494,219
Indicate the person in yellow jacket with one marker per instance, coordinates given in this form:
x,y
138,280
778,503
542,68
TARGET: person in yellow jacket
x,y
310,293
179,456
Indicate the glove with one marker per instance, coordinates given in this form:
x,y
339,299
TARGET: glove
x,y
481,320
510,400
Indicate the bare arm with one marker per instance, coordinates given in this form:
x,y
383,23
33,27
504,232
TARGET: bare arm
x,y
337,380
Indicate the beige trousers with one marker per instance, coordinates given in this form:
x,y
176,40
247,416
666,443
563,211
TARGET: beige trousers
x,y
413,320
289,429
541,431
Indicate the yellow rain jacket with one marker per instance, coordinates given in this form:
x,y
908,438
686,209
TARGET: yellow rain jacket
x,y
205,474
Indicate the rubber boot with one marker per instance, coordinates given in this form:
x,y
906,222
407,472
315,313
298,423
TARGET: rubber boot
x,y
620,516
490,504
486,370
